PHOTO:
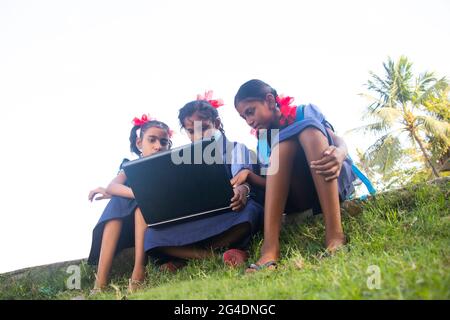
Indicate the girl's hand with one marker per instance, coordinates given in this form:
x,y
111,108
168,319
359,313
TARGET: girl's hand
x,y
240,178
101,191
239,200
330,164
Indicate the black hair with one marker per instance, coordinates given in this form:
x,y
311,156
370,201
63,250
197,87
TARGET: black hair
x,y
205,110
144,128
254,90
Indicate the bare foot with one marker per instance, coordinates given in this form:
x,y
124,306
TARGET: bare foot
x,y
96,290
335,243
98,286
135,285
138,274
137,280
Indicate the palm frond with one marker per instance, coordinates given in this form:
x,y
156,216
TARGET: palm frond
x,y
402,79
396,86
374,102
384,153
439,105
381,87
388,115
375,127
427,87
435,128
381,120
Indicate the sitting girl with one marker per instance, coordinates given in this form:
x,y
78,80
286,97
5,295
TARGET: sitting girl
x,y
307,165
122,225
231,230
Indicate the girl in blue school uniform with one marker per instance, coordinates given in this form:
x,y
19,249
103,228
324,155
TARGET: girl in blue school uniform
x,y
231,231
122,225
307,165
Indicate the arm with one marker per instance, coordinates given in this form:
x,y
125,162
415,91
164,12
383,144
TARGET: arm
x,y
340,143
101,191
333,157
248,176
118,188
256,180
244,173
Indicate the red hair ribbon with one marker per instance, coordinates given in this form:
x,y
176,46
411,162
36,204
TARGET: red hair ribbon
x,y
208,97
139,122
288,111
146,118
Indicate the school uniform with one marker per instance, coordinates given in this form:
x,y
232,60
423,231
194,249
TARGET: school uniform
x,y
307,116
236,157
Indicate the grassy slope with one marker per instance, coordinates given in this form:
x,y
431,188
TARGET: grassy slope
x,y
408,238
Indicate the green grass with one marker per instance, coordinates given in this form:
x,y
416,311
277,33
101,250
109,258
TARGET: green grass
x,y
406,234
43,285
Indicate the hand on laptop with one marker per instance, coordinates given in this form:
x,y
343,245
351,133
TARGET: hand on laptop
x,y
240,178
239,200
101,191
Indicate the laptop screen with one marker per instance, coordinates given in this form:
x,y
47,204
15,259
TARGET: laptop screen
x,y
182,183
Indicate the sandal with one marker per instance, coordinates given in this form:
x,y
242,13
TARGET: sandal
x,y
234,257
135,285
269,265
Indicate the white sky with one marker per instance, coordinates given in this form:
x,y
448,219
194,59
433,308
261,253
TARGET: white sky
x,y
74,73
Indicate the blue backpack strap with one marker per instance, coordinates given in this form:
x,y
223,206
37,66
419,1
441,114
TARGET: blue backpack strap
x,y
361,176
263,150
300,115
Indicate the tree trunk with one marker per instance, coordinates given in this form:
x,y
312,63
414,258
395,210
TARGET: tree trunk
x,y
419,142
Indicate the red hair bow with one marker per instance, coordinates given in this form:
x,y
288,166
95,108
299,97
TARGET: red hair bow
x,y
208,97
288,112
144,119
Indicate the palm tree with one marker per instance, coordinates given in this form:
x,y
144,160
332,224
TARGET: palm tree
x,y
439,107
399,115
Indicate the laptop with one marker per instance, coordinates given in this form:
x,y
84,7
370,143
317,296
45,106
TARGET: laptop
x,y
168,191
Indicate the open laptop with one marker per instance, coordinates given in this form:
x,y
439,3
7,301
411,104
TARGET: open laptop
x,y
167,192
